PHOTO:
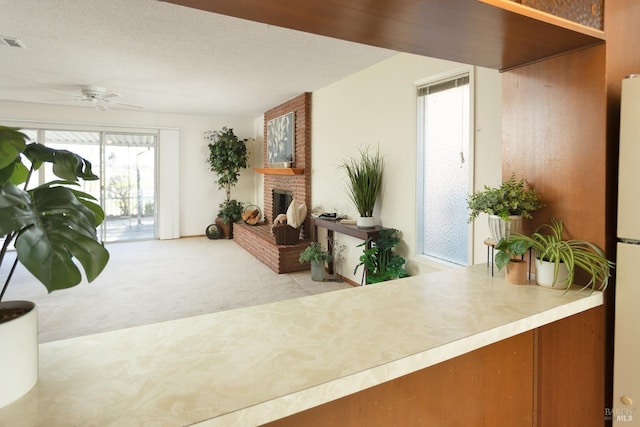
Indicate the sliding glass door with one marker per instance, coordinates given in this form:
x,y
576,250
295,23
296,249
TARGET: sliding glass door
x,y
129,186
126,189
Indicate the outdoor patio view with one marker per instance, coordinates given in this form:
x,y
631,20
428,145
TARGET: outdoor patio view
x,y
125,163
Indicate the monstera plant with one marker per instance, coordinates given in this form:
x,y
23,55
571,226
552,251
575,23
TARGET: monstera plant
x,y
51,226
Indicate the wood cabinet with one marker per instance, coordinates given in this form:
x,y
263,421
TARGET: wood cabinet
x,y
502,384
585,12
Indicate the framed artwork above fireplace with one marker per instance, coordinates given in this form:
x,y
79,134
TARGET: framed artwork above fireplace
x,y
281,141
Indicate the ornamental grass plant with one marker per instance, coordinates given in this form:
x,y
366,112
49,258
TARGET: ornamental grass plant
x,y
365,180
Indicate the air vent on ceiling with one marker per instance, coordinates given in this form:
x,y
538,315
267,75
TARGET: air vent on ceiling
x,y
11,42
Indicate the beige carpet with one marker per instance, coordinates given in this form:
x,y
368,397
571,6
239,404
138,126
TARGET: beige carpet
x,y
153,281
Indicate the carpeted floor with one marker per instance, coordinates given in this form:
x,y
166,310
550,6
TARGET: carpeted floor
x,y
157,280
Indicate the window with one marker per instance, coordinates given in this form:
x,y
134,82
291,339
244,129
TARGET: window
x,y
444,170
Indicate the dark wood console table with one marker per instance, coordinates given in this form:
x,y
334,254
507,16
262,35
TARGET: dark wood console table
x,y
346,229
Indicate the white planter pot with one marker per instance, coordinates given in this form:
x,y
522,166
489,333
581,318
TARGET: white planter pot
x,y
365,222
500,228
544,274
19,355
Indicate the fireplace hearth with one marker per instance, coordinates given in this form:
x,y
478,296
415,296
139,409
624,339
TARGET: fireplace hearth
x,y
279,191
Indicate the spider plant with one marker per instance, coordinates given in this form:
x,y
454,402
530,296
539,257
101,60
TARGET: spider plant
x,y
548,244
365,179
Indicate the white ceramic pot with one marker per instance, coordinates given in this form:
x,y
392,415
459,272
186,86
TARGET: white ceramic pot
x,y
500,228
544,274
365,222
19,355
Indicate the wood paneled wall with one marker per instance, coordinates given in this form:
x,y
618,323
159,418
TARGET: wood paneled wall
x,y
554,135
560,131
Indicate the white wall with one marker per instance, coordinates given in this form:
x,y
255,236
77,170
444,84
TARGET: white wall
x,y
377,107
199,196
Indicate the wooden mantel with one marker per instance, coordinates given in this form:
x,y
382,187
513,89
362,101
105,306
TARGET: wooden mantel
x,y
280,171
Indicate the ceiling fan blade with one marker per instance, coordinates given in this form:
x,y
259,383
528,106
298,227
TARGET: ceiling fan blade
x,y
77,95
139,107
100,106
110,95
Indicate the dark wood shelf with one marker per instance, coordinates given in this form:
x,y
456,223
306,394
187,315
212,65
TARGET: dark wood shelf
x,y
280,171
497,34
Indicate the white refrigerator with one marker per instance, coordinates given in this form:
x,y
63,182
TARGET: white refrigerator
x,y
626,376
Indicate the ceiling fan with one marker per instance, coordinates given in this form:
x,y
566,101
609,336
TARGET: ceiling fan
x,y
97,96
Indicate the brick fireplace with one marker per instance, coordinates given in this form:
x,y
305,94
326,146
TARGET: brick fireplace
x,y
294,182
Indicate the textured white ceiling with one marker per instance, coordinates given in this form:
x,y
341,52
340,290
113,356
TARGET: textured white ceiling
x,y
164,57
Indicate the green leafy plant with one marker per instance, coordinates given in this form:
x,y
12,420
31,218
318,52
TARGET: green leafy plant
x,y
365,180
380,261
548,244
314,252
227,156
509,250
53,223
231,211
513,197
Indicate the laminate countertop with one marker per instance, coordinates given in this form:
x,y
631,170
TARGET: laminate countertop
x,y
254,365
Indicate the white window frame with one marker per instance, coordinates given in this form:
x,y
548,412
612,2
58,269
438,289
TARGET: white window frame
x,y
441,77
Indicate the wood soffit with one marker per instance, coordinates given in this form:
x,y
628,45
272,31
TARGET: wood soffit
x,y
498,34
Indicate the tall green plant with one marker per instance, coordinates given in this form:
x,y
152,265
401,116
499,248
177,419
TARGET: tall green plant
x,y
365,180
50,224
227,156
380,261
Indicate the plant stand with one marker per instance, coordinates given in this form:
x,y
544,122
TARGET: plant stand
x,y
346,229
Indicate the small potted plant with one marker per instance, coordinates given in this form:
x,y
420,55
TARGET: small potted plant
x,y
317,257
380,260
510,255
365,183
506,206
51,226
557,259
227,156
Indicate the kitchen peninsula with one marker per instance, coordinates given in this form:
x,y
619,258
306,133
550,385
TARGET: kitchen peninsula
x,y
254,365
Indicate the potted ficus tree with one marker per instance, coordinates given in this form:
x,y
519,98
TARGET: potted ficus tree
x,y
227,156
506,205
365,182
317,257
50,226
